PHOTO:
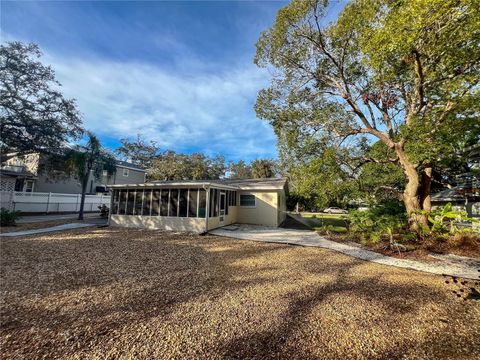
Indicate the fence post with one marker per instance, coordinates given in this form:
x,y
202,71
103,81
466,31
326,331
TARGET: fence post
x,y
48,201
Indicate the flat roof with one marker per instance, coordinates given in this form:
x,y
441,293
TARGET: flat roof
x,y
229,184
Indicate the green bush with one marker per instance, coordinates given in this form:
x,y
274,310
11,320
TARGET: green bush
x,y
7,217
104,210
380,221
445,221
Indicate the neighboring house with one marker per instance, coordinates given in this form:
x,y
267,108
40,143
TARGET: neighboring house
x,y
26,175
183,205
464,197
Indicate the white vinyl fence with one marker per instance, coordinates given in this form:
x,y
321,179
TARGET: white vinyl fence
x,y
50,202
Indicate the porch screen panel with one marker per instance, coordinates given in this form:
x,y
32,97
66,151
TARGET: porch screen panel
x,y
130,201
202,203
215,202
155,202
227,194
173,210
211,203
183,205
116,199
192,203
164,203
139,202
146,202
123,202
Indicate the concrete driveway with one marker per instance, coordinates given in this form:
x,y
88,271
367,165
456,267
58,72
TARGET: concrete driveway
x,y
459,266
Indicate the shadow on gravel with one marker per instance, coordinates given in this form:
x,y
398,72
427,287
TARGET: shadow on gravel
x,y
68,292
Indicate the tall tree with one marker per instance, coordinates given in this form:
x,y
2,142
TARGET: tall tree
x,y
34,115
404,72
88,160
173,166
239,170
263,168
138,151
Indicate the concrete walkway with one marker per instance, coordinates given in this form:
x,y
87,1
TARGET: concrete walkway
x,y
463,269
47,230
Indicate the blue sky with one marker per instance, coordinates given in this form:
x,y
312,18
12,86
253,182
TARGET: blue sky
x,y
180,73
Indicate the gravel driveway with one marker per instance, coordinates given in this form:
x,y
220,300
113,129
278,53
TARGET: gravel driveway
x,y
123,293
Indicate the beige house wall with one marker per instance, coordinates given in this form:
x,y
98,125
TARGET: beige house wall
x,y
231,218
263,213
196,225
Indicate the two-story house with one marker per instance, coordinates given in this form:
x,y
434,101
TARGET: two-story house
x,y
25,174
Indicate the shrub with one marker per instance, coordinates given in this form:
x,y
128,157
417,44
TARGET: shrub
x,y
104,210
7,217
371,225
446,220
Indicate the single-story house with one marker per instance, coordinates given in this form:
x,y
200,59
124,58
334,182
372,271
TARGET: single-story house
x,y
199,206
462,199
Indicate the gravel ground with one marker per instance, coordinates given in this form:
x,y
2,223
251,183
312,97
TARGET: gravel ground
x,y
36,225
121,294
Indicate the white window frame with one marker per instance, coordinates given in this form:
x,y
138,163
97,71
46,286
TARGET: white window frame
x,y
126,172
247,206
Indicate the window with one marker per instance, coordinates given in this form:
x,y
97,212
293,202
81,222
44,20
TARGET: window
x,y
146,202
139,202
125,172
19,184
173,209
247,200
183,205
130,201
123,202
192,203
29,186
104,173
202,203
164,203
156,202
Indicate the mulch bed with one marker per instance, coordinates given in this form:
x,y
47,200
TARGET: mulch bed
x,y
114,293
468,246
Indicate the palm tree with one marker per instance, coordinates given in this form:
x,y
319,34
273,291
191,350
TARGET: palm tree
x,y
87,159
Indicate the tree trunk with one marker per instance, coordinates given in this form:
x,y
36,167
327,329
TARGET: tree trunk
x,y
82,201
426,186
411,194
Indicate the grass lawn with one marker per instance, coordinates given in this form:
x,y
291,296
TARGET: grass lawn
x,y
117,293
333,222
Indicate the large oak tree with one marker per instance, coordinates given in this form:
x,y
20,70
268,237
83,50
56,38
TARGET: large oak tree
x,y
34,115
405,72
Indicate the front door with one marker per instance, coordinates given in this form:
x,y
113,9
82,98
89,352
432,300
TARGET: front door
x,y
222,207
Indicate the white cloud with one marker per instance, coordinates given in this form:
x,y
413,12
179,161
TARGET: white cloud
x,y
211,113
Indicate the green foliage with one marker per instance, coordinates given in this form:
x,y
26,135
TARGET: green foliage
x,y
7,217
170,165
404,72
371,225
445,220
104,210
239,170
34,115
263,168
138,151
87,159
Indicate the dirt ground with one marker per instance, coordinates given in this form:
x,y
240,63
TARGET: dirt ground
x,y
120,294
